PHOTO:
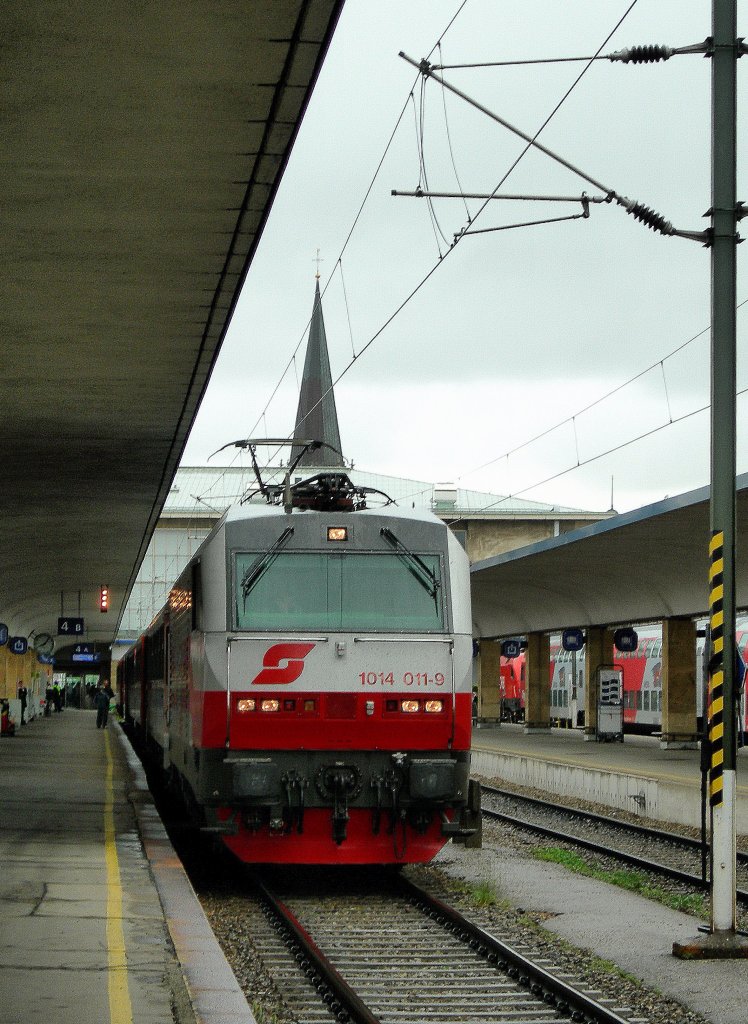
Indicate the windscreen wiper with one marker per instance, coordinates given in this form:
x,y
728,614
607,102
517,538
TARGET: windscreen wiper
x,y
416,565
262,563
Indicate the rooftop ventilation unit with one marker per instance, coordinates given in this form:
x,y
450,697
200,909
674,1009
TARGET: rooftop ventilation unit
x,y
445,495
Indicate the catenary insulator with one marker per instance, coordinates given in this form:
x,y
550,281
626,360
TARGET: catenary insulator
x,y
647,216
643,54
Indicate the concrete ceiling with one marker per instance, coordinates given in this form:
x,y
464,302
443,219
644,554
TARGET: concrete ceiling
x,y
142,147
641,566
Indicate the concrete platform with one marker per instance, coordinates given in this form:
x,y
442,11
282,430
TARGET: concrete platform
x,y
634,933
98,921
636,775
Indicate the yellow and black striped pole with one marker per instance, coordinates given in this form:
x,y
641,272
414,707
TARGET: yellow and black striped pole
x,y
716,668
722,940
723,753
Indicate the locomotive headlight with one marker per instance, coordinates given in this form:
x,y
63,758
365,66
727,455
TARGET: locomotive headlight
x,y
410,706
246,704
270,705
337,533
434,706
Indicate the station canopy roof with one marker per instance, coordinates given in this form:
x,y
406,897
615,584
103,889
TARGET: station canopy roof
x,y
142,148
640,566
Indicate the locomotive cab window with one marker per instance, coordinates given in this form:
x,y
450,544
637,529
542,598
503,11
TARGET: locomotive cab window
x,y
347,591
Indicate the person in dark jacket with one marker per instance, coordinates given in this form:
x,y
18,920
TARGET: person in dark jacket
x,y
101,701
23,696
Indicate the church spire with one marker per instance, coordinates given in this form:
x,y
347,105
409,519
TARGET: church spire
x,y
316,417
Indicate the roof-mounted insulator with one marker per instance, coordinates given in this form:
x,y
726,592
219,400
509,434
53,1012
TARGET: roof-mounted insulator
x,y
649,217
643,54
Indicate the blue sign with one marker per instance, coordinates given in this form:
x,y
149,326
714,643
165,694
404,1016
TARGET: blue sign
x,y
3,634
572,639
18,644
45,659
626,639
68,626
511,649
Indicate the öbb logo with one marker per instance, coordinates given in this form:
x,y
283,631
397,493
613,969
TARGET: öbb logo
x,y
273,671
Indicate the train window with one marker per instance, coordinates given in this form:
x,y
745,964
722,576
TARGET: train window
x,y
646,700
311,590
638,700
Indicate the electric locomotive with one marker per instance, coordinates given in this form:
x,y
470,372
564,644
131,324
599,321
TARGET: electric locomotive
x,y
308,684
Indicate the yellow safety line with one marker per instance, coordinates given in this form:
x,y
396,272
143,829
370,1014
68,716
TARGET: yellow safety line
x,y
120,1008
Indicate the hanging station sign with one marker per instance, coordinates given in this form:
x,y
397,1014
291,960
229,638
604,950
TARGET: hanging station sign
x,y
511,648
3,634
626,640
85,652
69,626
18,644
572,639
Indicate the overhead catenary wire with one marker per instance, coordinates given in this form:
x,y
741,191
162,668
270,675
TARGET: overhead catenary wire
x,y
424,174
647,216
571,421
594,458
660,362
389,320
359,212
593,404
414,291
451,150
347,308
646,54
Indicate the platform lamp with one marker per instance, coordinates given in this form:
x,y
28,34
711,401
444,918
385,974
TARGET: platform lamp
x,y
103,599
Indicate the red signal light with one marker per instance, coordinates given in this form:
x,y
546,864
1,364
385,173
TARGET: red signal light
x,y
104,599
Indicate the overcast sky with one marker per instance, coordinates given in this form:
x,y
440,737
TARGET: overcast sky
x,y
515,331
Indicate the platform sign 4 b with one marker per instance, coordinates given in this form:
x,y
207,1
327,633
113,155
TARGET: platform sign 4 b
x,y
69,626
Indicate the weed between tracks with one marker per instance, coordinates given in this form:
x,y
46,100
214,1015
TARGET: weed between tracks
x,y
634,881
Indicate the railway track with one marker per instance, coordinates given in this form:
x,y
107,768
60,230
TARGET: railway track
x,y
392,954
668,854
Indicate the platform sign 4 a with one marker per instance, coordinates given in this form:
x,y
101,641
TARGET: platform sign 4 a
x,y
69,626
85,652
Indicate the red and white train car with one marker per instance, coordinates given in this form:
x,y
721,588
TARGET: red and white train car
x,y
642,683
308,682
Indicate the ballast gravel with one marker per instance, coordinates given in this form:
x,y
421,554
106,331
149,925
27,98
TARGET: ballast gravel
x,y
232,915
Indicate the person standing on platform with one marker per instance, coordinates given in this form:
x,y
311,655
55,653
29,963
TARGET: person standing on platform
x,y
103,695
23,696
57,697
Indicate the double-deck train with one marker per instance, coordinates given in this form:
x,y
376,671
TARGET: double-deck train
x,y
642,683
308,684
